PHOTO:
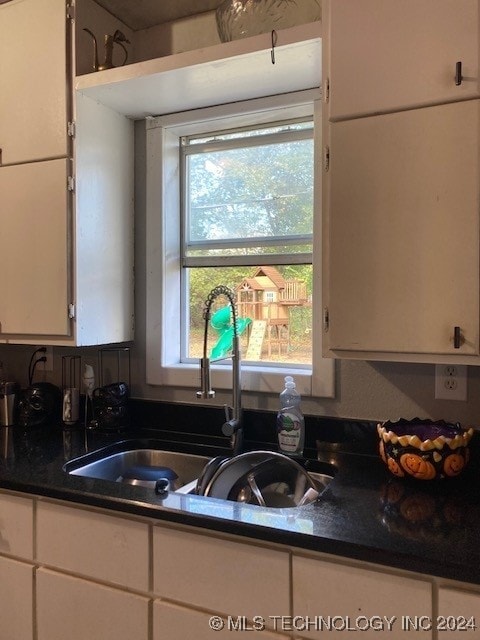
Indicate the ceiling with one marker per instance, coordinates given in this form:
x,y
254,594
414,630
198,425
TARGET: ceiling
x,y
142,14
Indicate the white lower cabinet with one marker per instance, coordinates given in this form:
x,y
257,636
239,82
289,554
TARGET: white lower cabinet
x,y
104,547
16,526
458,614
173,622
16,600
337,600
83,574
69,607
233,578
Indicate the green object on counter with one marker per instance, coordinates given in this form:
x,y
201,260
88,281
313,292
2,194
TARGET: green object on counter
x,y
221,321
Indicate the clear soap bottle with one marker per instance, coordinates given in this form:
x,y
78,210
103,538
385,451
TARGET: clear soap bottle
x,y
290,421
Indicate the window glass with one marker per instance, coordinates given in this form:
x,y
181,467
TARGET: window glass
x,y
247,222
276,299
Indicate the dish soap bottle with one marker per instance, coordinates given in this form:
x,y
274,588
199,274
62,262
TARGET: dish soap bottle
x,y
290,421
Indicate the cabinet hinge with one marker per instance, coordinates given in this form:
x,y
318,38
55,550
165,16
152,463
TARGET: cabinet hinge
x,y
71,311
326,159
71,183
71,129
326,319
326,93
70,12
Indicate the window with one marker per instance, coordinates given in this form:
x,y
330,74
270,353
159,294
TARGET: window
x,y
247,222
206,214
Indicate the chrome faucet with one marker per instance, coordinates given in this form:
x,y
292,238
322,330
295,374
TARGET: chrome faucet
x,y
233,415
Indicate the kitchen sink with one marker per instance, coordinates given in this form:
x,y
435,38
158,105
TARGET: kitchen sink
x,y
141,466
281,481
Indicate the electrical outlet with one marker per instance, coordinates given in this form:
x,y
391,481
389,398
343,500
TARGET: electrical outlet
x,y
450,382
48,354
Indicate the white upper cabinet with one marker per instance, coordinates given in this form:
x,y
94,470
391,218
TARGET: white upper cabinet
x,y
33,68
33,244
66,198
401,233
388,55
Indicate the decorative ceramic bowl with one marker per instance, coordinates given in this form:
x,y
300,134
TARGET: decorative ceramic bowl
x,y
424,449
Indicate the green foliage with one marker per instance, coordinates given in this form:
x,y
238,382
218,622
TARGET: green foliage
x,y
252,192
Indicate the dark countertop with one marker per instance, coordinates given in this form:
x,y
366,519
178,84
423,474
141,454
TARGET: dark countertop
x,y
365,513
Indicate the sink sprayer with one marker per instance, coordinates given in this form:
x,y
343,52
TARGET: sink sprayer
x,y
233,415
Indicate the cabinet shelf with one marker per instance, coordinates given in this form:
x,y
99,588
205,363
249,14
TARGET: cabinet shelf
x,y
227,72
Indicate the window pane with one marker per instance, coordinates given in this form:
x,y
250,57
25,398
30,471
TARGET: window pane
x,y
252,192
278,301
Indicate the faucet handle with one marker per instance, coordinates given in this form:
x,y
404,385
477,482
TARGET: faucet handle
x,y
231,424
230,427
228,412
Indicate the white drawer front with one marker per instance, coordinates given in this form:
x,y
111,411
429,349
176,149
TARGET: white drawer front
x,y
220,575
16,600
372,603
458,614
178,623
76,609
106,547
16,526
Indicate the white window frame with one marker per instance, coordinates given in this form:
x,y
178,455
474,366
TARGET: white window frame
x,y
163,330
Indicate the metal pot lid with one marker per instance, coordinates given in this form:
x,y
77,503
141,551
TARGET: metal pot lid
x,y
207,473
264,478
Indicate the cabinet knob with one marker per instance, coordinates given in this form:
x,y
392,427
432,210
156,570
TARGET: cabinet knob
x,y
458,74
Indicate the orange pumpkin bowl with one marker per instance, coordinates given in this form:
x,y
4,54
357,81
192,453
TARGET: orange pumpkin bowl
x,y
424,449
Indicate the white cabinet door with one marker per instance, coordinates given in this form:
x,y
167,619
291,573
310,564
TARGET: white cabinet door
x,y
106,547
350,599
68,607
16,526
16,600
224,576
33,99
458,613
401,203
385,55
34,249
174,622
